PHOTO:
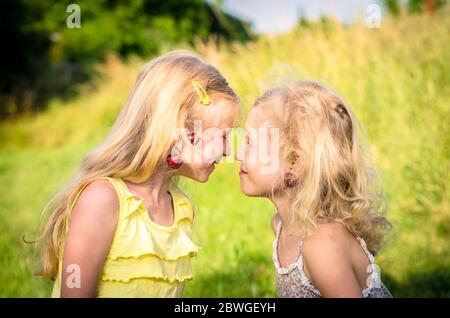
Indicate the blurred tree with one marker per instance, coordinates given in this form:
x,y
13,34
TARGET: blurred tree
x,y
392,6
414,6
46,58
430,6
19,63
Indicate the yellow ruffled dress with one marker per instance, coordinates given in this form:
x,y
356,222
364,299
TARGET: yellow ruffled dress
x,y
146,259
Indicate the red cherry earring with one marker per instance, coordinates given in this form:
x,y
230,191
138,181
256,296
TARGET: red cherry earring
x,y
175,162
290,180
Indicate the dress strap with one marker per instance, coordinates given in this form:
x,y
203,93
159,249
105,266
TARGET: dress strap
x,y
299,246
77,195
277,236
374,277
298,264
366,250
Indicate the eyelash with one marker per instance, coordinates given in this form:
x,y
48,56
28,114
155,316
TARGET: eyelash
x,y
249,144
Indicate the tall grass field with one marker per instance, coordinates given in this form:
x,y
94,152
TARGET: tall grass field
x,y
396,79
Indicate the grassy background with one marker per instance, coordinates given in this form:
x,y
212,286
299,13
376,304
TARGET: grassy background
x,y
395,78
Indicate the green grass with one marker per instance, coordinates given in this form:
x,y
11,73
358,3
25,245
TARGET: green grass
x,y
397,81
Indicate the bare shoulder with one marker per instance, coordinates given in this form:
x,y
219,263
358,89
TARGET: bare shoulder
x,y
275,221
329,244
327,235
92,225
327,260
98,193
331,230
98,203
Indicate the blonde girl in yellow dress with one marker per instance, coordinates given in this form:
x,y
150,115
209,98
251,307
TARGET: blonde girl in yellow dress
x,y
122,227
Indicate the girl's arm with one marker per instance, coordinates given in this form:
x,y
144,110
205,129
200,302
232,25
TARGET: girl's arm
x,y
92,224
327,262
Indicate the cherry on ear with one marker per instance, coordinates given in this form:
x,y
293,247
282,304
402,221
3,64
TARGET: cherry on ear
x,y
173,163
290,180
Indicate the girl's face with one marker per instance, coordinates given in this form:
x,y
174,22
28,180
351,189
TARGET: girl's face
x,y
209,145
259,155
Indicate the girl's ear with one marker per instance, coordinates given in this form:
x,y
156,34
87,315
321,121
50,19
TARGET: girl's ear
x,y
179,140
175,156
193,138
290,176
293,158
186,146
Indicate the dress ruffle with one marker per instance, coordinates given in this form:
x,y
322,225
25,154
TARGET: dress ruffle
x,y
142,248
147,266
138,239
132,205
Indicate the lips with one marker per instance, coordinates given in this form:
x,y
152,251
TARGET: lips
x,y
242,172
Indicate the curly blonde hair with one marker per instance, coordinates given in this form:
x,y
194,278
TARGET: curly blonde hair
x,y
320,146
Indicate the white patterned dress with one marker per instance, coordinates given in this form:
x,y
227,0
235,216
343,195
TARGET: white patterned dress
x,y
292,281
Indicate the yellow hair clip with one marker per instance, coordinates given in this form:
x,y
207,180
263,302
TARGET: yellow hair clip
x,y
204,98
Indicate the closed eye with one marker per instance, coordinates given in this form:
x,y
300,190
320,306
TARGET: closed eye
x,y
248,142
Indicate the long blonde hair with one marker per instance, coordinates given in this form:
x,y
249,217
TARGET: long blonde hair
x,y
335,180
161,101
